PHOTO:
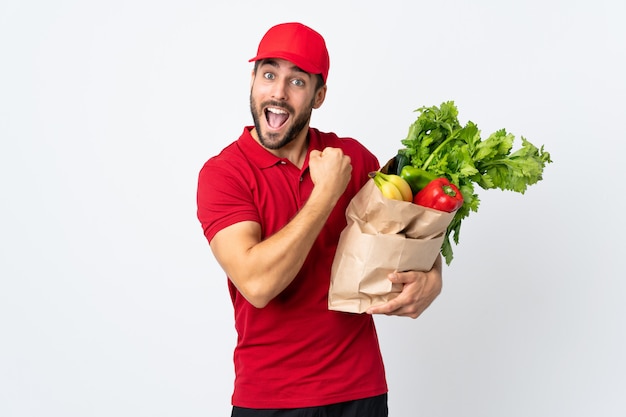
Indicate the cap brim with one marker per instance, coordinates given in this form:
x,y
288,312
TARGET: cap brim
x,y
299,61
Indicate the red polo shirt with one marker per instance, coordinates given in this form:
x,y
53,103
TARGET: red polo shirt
x,y
294,352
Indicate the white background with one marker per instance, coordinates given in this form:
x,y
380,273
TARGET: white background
x,y
110,301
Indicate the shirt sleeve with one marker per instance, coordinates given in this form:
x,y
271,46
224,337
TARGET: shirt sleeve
x,y
223,198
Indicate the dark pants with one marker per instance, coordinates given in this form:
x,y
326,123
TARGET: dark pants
x,y
367,407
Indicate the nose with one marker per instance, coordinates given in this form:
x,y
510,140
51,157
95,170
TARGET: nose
x,y
279,90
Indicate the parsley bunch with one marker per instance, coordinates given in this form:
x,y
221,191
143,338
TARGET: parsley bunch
x,y
438,143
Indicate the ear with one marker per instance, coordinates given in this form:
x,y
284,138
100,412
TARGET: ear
x,y
320,96
251,79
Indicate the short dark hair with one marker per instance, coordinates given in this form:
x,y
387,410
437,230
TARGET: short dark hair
x,y
319,80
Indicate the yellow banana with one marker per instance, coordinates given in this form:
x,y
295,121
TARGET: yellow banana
x,y
388,186
401,184
390,191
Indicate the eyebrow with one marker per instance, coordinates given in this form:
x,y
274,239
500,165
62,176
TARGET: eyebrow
x,y
274,63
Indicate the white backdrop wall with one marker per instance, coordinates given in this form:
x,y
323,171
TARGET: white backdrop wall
x,y
110,301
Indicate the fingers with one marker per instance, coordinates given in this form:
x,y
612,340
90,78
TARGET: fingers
x,y
405,303
390,308
330,153
331,169
399,307
315,154
418,292
326,156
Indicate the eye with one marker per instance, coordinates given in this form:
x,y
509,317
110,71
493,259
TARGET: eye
x,y
268,76
298,82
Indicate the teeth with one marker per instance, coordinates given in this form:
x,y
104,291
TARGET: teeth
x,y
276,111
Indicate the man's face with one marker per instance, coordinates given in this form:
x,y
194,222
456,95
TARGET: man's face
x,y
282,99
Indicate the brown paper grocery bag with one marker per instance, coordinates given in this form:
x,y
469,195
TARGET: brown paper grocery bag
x,y
382,236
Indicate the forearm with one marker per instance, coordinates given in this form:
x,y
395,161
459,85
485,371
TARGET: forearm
x,y
278,259
264,268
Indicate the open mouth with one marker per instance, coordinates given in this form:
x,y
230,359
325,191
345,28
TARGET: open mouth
x,y
276,117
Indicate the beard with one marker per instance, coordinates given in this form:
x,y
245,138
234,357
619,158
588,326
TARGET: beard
x,y
274,140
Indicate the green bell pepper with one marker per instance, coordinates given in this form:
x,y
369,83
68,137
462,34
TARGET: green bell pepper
x,y
416,177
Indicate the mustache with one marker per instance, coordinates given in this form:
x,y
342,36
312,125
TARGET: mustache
x,y
279,104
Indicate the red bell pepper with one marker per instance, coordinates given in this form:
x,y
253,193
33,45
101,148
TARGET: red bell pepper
x,y
441,195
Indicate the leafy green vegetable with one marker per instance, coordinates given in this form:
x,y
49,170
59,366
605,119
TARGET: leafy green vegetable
x,y
438,143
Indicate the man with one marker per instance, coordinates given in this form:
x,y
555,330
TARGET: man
x,y
272,205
